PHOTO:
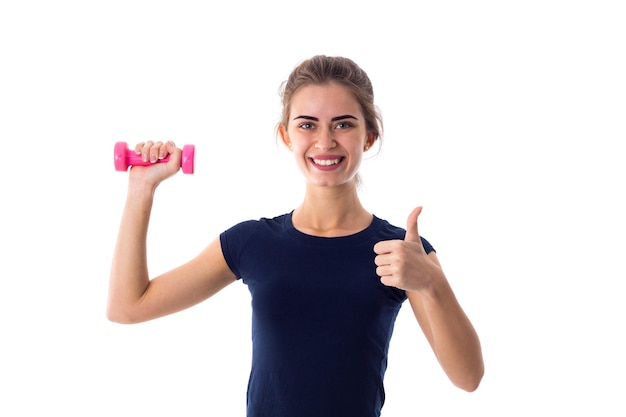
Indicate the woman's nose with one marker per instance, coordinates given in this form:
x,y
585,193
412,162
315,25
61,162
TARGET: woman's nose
x,y
325,141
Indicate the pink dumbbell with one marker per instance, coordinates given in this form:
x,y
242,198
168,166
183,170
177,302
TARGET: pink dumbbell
x,y
124,157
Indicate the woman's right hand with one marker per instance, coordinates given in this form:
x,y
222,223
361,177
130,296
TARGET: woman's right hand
x,y
153,152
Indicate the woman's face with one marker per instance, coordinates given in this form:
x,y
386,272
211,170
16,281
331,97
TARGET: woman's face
x,y
327,134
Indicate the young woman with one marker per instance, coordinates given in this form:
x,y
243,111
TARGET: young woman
x,y
327,279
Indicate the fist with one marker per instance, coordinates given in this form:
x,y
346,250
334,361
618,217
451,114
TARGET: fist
x,y
404,264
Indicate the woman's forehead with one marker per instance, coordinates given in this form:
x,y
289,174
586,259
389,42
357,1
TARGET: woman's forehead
x,y
327,99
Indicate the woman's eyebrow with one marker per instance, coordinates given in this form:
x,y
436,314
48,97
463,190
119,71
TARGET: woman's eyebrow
x,y
334,119
315,119
345,116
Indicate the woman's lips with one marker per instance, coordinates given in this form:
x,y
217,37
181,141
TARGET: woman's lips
x,y
326,162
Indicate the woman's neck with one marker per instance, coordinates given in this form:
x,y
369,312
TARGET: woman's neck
x,y
331,212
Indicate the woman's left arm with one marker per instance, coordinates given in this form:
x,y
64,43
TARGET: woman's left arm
x,y
449,331
404,264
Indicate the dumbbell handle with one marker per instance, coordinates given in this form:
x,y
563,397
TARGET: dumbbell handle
x,y
124,157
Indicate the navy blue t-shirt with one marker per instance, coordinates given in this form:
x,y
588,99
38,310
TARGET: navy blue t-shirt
x,y
321,318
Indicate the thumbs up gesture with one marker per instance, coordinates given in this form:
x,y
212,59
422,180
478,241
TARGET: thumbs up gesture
x,y
404,264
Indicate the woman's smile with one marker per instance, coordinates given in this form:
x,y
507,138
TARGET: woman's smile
x,y
327,162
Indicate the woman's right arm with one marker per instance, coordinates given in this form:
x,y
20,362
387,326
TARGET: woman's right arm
x,y
133,296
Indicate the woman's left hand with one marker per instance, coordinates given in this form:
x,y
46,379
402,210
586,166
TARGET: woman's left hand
x,y
404,264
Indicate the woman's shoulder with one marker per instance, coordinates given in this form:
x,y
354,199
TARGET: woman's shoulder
x,y
388,230
251,225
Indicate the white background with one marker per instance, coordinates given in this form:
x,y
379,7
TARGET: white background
x,y
505,120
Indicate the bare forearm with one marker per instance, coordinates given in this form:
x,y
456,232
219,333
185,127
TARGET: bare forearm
x,y
454,339
129,270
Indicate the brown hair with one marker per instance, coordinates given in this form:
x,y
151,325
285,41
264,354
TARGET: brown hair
x,y
322,69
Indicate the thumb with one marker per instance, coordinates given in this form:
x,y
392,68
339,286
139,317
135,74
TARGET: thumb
x,y
412,233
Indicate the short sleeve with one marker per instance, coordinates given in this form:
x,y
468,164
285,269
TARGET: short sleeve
x,y
427,246
234,240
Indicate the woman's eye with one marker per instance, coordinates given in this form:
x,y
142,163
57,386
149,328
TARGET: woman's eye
x,y
306,126
344,125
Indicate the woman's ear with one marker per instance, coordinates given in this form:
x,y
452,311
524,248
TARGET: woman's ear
x,y
369,142
284,136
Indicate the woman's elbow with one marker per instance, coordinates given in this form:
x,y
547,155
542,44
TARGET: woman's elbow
x,y
471,381
119,315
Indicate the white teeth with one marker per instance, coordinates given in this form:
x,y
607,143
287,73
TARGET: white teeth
x,y
326,162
